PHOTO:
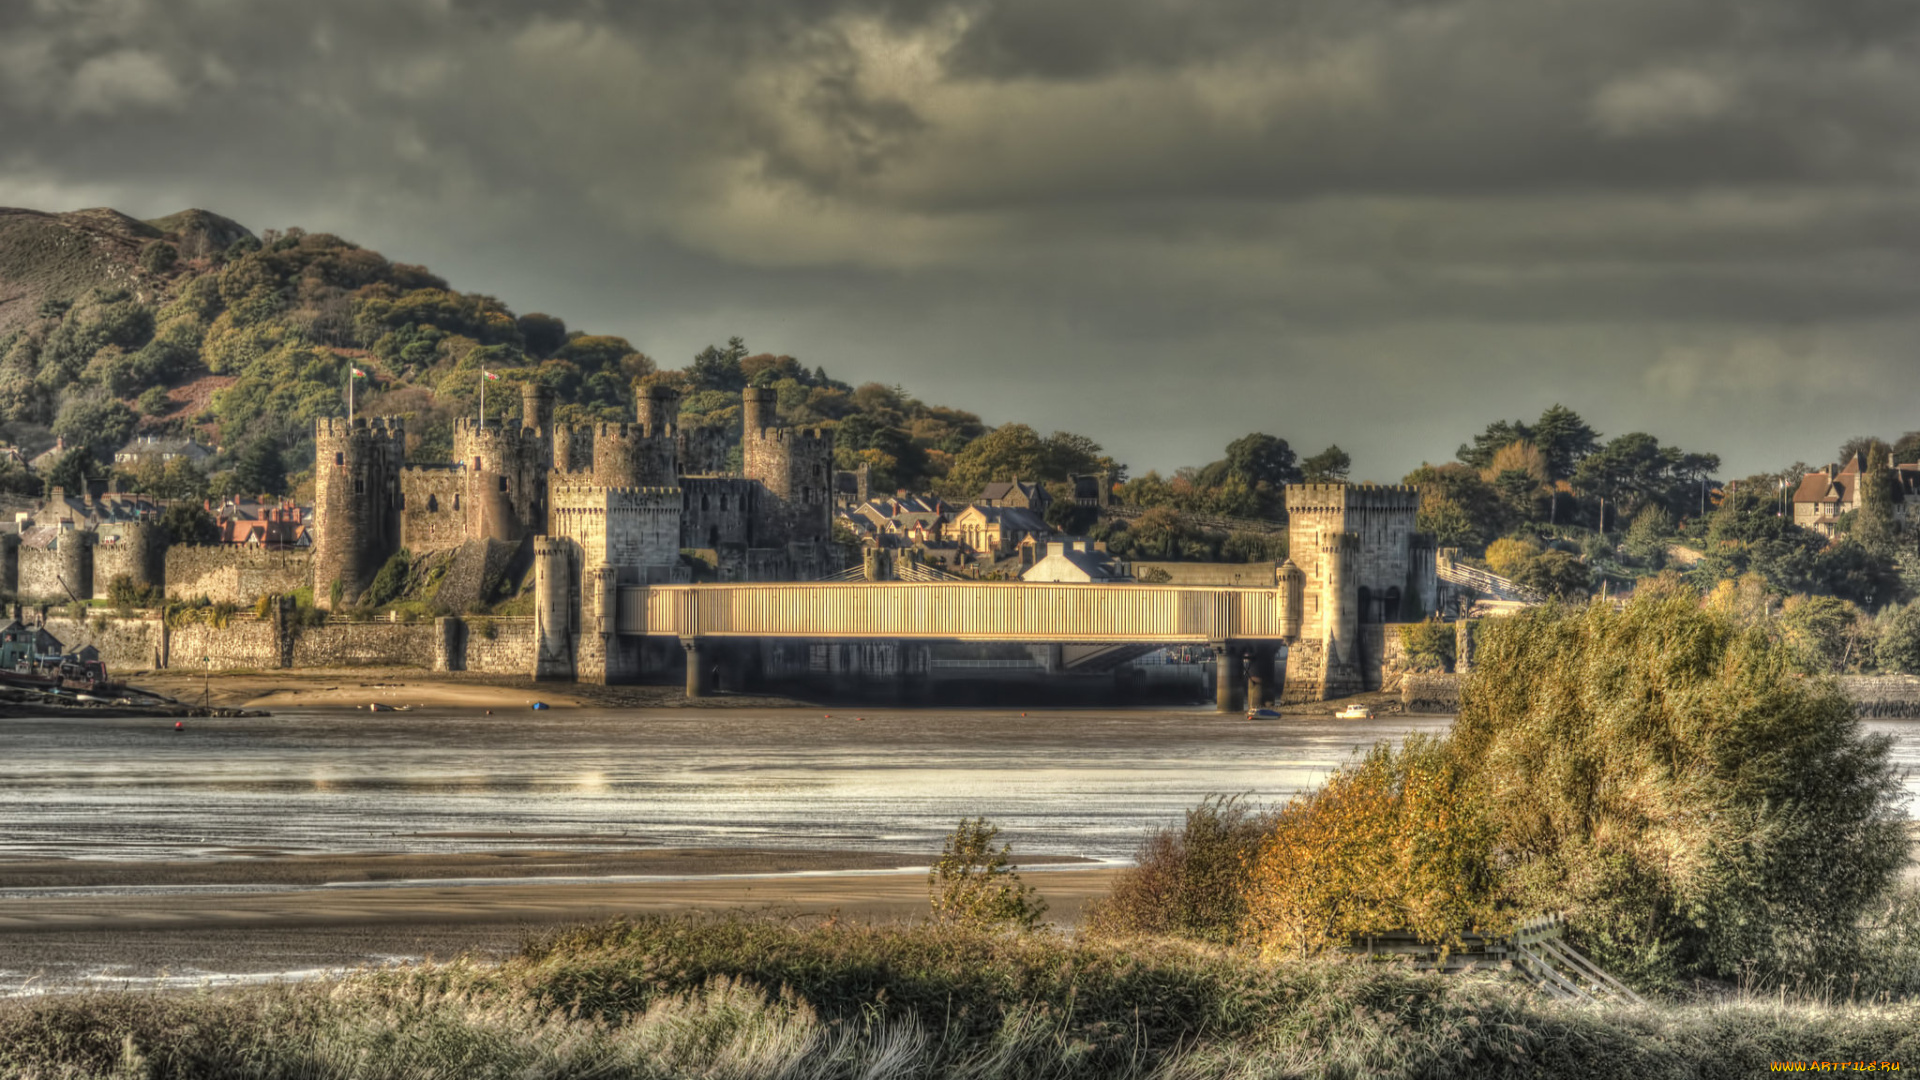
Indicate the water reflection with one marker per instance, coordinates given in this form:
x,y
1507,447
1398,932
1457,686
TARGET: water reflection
x,y
1084,783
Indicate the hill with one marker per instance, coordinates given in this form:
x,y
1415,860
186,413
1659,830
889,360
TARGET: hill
x,y
192,324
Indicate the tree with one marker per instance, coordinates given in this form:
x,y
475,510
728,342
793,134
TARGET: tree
x,y
1329,466
1648,536
1556,574
719,369
974,885
1634,471
1896,646
1191,882
186,523
1906,450
1458,507
159,257
72,469
99,424
260,470
1565,438
1825,633
543,334
1262,459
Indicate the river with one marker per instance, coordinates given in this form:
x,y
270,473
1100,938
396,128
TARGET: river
x,y
1070,783
1073,783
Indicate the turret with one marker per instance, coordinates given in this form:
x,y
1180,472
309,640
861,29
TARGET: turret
x,y
1291,585
553,608
630,455
757,409
658,408
536,408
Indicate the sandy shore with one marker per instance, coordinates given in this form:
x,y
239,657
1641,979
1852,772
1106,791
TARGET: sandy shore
x,y
295,914
411,687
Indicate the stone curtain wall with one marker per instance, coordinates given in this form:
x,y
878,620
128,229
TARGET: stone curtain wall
x,y
125,645
1385,655
243,644
488,644
43,569
1430,692
369,644
234,574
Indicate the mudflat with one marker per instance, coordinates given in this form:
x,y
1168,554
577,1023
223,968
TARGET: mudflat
x,y
67,924
356,688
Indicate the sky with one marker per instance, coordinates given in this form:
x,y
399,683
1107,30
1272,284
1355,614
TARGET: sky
x,y
1160,223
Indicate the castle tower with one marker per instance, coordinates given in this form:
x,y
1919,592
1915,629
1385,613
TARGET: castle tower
x,y
536,408
795,467
506,474
555,624
635,455
659,408
355,528
1291,583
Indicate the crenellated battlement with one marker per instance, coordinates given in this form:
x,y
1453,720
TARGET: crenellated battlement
x,y
471,428
1309,498
360,427
607,430
786,436
588,488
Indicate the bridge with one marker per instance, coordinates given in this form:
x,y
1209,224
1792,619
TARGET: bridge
x,y
956,611
1088,618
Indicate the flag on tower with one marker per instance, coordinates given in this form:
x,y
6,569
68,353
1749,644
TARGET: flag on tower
x,y
358,374
489,374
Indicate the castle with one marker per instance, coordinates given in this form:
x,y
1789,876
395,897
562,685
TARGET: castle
x,y
603,505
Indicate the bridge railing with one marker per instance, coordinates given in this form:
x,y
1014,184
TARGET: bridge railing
x,y
970,611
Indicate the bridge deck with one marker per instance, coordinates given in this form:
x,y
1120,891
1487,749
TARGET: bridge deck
x,y
969,611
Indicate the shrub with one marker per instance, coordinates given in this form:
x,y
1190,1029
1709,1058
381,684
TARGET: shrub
x,y
123,593
390,582
973,885
1507,556
1674,783
1392,841
1190,882
1429,645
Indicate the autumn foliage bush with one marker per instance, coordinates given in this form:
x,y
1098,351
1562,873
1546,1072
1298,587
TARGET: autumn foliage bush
x,y
1668,777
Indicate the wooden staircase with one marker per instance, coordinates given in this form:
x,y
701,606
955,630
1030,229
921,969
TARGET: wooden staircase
x,y
1537,951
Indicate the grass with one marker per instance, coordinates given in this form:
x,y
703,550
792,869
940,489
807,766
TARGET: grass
x,y
733,997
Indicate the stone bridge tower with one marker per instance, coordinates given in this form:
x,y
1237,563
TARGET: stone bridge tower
x,y
1360,562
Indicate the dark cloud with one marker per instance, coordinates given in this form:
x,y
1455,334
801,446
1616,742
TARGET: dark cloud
x,y
1380,222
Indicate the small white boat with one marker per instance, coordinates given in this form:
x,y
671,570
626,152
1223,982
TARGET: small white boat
x,y
1354,712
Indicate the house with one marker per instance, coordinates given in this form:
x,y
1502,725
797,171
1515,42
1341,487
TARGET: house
x,y
159,448
1825,494
1017,492
1076,561
18,642
996,531
903,519
48,458
258,523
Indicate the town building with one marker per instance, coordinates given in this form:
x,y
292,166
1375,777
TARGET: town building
x,y
1825,494
993,531
160,449
1083,561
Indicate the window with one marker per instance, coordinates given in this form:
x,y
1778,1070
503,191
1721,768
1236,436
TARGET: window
x,y
339,459
503,483
433,504
359,487
704,503
456,502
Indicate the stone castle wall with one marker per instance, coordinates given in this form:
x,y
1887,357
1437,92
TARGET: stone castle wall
x,y
236,574
488,645
126,645
433,515
717,511
245,643
48,574
364,644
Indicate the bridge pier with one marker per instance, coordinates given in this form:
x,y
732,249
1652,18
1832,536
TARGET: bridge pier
x,y
1260,678
699,666
1227,678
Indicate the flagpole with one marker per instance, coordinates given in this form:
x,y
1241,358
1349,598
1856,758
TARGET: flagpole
x,y
349,396
483,397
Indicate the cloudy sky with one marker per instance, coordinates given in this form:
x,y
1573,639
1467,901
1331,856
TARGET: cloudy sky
x,y
1163,223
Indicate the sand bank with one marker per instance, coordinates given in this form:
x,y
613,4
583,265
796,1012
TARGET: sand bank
x,y
75,936
348,688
